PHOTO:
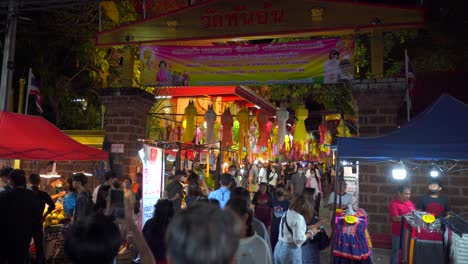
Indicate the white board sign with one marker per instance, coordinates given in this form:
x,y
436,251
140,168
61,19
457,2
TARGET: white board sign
x,y
117,148
152,180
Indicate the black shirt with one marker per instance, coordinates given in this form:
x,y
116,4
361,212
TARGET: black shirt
x,y
43,198
20,218
437,206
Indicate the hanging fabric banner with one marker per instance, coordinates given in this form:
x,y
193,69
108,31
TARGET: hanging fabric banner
x,y
313,61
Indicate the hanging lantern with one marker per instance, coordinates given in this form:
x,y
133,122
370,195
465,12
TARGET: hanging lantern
x,y
235,131
282,115
300,133
343,130
217,127
189,130
227,121
262,119
243,118
274,141
210,118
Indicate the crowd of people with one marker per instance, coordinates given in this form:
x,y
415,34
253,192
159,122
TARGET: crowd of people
x,y
265,214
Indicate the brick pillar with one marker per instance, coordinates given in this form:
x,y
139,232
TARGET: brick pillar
x,y
378,104
126,121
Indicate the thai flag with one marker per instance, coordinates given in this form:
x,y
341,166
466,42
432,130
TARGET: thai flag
x,y
33,89
410,77
411,82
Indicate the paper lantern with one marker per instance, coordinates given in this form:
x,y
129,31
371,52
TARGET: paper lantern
x,y
262,119
300,133
111,10
227,121
217,127
282,115
243,118
253,132
343,130
190,114
210,118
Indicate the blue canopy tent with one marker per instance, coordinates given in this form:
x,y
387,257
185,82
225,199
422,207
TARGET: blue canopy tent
x,y
438,133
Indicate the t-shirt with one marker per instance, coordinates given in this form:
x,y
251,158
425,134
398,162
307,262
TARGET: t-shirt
x,y
273,178
222,195
43,198
437,206
298,227
299,182
346,199
172,189
279,207
253,250
84,205
398,208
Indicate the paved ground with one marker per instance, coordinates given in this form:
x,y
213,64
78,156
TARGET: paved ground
x,y
379,256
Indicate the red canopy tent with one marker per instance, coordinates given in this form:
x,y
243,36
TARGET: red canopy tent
x,y
34,138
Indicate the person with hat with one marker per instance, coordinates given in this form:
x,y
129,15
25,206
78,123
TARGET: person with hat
x,y
433,202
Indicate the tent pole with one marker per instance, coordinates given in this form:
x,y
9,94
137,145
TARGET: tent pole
x,y
333,214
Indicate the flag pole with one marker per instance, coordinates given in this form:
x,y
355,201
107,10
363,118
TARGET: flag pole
x,y
408,106
27,93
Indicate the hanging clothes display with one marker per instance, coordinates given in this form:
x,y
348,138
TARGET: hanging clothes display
x,y
422,242
351,240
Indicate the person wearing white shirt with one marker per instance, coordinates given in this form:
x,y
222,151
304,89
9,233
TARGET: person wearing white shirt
x,y
262,174
293,231
272,179
346,197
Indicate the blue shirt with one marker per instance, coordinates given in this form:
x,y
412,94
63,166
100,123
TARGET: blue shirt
x,y
69,203
222,195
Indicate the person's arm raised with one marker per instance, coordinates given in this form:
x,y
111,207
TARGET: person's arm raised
x,y
140,242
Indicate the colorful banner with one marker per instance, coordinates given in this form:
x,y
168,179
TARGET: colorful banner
x,y
315,61
152,180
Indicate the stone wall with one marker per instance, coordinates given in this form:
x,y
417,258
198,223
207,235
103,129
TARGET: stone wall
x,y
378,103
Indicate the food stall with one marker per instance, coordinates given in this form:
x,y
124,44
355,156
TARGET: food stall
x,y
27,137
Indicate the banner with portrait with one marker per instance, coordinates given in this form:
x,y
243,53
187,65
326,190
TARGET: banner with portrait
x,y
314,61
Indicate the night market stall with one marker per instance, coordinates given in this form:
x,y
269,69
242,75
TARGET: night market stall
x,y
436,135
26,137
